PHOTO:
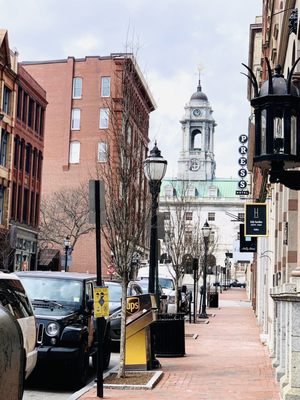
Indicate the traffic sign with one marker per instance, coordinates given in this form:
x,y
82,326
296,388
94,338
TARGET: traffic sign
x,y
101,303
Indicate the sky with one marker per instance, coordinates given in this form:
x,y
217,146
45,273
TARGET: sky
x,y
171,39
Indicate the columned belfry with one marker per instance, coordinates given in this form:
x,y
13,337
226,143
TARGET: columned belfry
x,y
196,160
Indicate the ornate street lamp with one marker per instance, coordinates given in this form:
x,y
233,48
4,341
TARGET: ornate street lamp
x,y
155,167
67,244
205,232
277,126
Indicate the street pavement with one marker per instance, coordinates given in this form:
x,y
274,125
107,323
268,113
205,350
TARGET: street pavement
x,y
227,361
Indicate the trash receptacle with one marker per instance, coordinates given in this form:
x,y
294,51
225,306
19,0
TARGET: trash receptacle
x,y
213,300
168,331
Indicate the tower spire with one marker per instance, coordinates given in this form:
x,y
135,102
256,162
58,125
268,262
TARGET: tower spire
x,y
199,88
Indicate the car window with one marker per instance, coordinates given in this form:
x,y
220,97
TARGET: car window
x,y
166,283
114,293
14,298
60,290
135,290
89,290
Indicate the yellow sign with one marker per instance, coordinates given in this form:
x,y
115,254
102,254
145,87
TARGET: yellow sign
x,y
101,304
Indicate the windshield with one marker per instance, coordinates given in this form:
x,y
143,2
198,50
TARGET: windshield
x,y
114,293
166,283
59,290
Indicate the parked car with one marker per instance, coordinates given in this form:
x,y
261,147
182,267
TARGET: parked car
x,y
115,296
63,306
236,283
163,298
14,298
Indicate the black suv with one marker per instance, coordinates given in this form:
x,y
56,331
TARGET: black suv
x,y
63,306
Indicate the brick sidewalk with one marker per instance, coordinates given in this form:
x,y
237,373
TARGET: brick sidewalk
x,y
226,362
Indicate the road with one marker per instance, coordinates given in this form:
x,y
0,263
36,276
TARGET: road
x,y
54,387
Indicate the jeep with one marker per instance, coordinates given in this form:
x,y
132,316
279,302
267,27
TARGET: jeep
x,y
63,306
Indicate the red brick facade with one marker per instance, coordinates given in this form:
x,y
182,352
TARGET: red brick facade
x,y
57,78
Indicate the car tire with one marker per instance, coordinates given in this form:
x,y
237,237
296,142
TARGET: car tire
x,y
80,372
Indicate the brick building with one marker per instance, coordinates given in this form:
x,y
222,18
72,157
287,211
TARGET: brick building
x,y
27,168
22,110
78,118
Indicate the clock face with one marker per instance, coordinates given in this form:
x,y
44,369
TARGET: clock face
x,y
194,164
197,112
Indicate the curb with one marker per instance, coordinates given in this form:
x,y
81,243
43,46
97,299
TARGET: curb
x,y
152,382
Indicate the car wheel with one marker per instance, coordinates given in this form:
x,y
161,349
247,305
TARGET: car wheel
x,y
81,366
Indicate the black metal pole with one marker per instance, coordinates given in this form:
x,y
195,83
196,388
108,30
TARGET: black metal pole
x,y
203,309
66,258
216,277
99,321
195,277
153,266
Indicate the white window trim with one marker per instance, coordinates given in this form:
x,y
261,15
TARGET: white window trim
x,y
103,111
102,152
73,119
73,91
74,156
101,82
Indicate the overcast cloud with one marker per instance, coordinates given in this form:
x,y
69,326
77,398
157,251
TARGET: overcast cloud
x,y
173,38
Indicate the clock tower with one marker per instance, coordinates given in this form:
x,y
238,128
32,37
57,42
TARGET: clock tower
x,y
196,160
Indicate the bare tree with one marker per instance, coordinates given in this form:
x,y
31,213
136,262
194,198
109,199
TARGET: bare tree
x,y
64,213
7,249
122,172
183,232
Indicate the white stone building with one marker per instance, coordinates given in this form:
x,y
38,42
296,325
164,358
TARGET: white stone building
x,y
204,196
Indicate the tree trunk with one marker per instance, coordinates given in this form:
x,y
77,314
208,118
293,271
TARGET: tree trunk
x,y
176,296
121,371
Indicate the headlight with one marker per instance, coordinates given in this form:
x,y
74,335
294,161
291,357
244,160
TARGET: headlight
x,y
52,329
171,299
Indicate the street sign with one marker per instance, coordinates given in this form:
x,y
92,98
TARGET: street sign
x,y
101,303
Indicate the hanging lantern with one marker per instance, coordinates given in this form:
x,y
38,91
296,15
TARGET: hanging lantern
x,y
277,126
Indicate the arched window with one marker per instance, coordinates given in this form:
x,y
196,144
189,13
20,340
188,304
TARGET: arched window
x,y
196,139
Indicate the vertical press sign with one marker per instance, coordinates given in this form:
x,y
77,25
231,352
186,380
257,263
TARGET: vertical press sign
x,y
256,219
242,184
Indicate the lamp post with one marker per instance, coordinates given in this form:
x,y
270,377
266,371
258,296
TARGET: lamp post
x,y
155,167
67,244
206,232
